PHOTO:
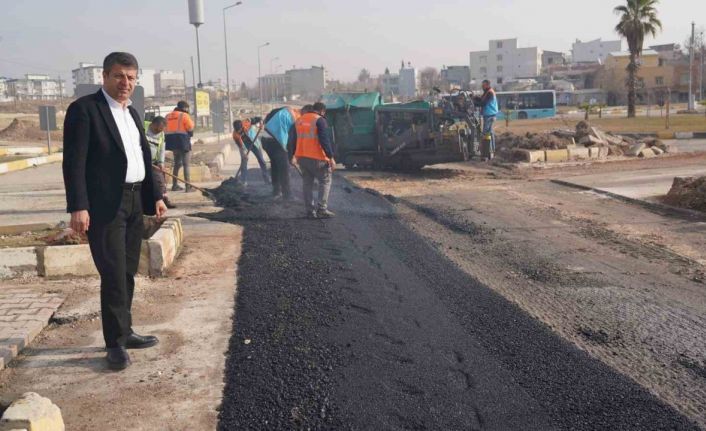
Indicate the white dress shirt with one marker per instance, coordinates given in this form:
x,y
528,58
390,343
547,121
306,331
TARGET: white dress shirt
x,y
130,135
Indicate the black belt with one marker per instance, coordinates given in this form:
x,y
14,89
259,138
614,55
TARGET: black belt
x,y
132,186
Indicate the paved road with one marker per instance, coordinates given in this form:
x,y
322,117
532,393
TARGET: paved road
x,y
638,183
356,323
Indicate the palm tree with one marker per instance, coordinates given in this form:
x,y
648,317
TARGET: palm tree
x,y
637,19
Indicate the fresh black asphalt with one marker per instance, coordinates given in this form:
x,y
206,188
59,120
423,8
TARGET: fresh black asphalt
x,y
358,323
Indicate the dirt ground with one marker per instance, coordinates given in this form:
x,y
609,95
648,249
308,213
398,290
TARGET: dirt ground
x,y
620,282
176,385
652,124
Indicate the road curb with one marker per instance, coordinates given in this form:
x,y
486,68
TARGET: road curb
x,y
158,253
216,165
19,165
653,206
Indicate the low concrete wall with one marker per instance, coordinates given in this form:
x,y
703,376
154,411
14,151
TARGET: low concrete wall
x,y
157,255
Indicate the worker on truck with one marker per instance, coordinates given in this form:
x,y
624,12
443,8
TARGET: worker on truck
x,y
154,132
310,145
178,133
489,111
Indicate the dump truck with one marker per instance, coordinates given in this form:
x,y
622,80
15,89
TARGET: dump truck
x,y
406,136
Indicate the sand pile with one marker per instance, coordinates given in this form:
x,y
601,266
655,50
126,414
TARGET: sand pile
x,y
25,130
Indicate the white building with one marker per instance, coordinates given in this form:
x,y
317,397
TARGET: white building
x,y
169,84
35,87
409,82
145,79
390,85
504,61
4,96
87,73
595,51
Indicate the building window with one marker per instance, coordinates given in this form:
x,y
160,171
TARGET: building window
x,y
499,45
483,59
500,79
500,57
500,69
659,80
661,62
483,70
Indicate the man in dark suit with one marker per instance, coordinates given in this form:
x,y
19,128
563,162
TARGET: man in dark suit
x,y
108,188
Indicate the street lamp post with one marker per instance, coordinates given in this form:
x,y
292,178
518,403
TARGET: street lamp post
x,y
259,73
272,79
225,42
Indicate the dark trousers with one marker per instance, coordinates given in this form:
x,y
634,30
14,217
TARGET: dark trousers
x,y
279,161
115,247
181,158
320,171
159,178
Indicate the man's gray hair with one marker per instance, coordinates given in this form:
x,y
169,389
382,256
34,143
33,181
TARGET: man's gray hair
x,y
122,58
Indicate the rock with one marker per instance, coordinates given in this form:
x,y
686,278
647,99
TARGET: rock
x,y
33,413
590,141
635,150
646,153
616,151
614,139
658,151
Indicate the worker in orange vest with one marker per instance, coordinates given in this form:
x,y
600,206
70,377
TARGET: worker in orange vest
x,y
178,133
310,145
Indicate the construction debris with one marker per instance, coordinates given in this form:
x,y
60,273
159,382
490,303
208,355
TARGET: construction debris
x,y
584,136
688,192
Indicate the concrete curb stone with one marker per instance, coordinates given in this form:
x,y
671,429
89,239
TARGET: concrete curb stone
x,y
18,262
18,165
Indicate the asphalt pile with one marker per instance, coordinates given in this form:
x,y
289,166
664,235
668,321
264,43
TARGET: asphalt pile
x,y
688,192
584,135
229,194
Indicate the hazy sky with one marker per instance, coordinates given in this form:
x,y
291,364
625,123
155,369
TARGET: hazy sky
x,y
52,36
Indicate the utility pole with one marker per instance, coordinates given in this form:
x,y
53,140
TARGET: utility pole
x,y
193,83
225,43
701,67
691,69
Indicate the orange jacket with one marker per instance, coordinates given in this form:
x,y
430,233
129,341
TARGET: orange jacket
x,y
308,144
178,123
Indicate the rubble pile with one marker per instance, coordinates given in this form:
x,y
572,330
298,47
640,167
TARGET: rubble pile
x,y
584,136
688,192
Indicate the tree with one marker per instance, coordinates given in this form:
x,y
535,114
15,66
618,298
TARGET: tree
x,y
428,79
638,18
364,76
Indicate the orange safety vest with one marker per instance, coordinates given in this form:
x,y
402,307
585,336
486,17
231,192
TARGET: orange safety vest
x,y
178,123
308,144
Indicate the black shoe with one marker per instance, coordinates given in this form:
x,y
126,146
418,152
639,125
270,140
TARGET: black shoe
x,y
177,187
135,341
324,213
168,203
118,358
